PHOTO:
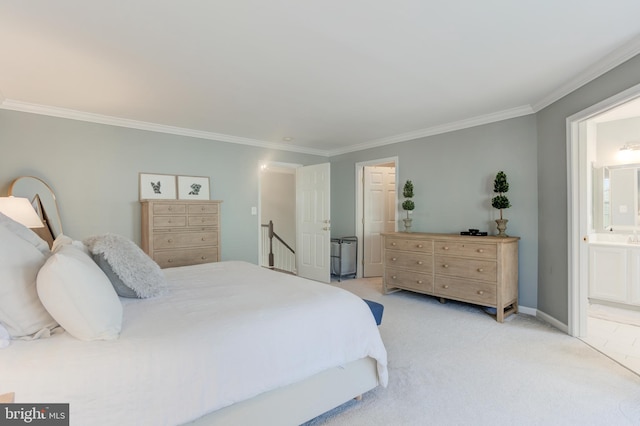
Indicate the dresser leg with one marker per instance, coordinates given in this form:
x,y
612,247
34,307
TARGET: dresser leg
x,y
443,300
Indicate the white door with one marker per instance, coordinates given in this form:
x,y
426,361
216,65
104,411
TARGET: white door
x,y
313,222
379,215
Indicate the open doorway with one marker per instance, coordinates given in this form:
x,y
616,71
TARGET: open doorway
x,y
278,216
294,219
376,211
604,204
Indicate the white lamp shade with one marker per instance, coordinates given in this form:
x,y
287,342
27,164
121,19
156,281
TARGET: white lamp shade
x,y
20,210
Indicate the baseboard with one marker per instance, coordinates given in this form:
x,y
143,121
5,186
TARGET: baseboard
x,y
527,311
552,321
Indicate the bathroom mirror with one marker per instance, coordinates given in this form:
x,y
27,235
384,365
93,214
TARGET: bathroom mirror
x,y
44,202
616,197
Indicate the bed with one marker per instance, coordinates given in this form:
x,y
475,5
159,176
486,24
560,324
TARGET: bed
x,y
227,343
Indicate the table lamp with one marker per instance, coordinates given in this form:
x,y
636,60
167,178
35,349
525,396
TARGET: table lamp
x,y
20,210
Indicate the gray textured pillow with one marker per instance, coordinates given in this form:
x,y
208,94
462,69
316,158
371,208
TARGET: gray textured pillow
x,y
131,272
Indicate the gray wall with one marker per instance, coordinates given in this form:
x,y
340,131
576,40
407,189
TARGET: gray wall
x,y
94,168
453,177
553,272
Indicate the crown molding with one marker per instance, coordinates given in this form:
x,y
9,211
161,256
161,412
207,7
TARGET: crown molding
x,y
607,63
436,130
70,114
610,61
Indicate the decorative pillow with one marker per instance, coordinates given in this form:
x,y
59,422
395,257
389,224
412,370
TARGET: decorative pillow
x,y
25,233
131,271
79,295
21,311
63,240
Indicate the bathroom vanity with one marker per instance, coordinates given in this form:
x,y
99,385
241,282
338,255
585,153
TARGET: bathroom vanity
x,y
614,268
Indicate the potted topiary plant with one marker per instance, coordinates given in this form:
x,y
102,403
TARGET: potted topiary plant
x,y
500,201
408,205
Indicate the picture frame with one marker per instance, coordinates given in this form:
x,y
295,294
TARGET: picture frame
x,y
193,188
153,186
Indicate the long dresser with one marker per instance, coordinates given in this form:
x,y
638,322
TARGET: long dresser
x,y
181,232
473,269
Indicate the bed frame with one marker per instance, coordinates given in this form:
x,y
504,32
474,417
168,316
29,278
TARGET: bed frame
x,y
302,401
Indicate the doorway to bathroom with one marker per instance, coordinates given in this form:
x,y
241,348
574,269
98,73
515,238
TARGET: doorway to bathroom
x,y
604,215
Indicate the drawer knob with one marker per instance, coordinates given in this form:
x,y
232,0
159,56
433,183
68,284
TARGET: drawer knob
x,y
202,238
393,244
170,208
480,292
169,260
202,208
445,286
445,266
420,262
419,245
480,251
393,277
419,281
393,259
169,240
445,248
480,270
203,257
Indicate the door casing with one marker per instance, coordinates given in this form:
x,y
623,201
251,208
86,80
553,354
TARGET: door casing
x,y
578,199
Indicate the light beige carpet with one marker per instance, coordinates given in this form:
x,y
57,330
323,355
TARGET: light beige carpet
x,y
452,364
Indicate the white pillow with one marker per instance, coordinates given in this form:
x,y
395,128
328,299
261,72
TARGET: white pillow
x,y
63,240
79,295
25,233
131,271
21,311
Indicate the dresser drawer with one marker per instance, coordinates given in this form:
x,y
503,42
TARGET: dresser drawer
x,y
183,257
459,248
202,220
169,221
475,269
408,280
169,208
203,209
416,261
466,291
185,239
422,246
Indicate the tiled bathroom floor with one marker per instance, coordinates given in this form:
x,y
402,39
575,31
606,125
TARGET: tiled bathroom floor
x,y
619,341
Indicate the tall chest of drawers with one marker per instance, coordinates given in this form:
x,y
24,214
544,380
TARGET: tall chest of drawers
x,y
479,270
181,232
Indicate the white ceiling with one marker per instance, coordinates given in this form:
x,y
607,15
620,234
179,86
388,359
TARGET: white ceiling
x,y
335,76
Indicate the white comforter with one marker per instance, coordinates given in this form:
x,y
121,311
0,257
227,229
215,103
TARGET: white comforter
x,y
226,332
